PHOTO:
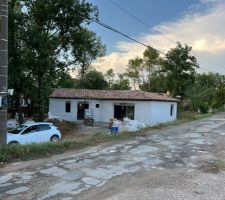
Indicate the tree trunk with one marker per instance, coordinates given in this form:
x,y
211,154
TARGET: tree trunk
x,y
40,100
149,77
19,107
28,103
3,67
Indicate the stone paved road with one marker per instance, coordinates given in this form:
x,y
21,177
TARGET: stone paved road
x,y
179,162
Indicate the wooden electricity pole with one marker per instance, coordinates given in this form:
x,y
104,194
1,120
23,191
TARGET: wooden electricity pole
x,y
3,67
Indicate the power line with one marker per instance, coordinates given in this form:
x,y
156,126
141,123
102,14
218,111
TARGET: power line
x,y
148,26
140,20
119,32
129,37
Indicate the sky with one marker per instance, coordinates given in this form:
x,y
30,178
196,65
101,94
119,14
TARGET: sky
x,y
198,23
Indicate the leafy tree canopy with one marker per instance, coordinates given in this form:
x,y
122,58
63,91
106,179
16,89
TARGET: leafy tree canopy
x,y
45,38
94,80
179,67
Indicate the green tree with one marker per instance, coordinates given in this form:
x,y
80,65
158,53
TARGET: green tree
x,y
109,75
19,80
85,52
122,83
207,91
158,83
151,59
65,81
133,71
94,80
179,67
45,44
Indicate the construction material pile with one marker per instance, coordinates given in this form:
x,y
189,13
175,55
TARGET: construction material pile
x,y
127,125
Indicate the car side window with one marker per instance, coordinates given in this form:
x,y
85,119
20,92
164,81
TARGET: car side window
x,y
43,127
30,129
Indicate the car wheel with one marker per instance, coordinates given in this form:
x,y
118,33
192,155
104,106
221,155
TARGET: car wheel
x,y
54,138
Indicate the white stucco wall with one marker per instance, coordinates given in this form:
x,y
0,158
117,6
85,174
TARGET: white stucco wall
x,y
57,108
160,112
150,113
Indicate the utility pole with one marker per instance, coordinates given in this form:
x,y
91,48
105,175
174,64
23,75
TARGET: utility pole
x,y
3,68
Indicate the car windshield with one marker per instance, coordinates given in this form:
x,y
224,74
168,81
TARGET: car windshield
x,y
18,129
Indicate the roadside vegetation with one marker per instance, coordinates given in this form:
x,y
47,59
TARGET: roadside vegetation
x,y
15,152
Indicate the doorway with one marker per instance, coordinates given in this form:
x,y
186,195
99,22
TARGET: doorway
x,y
81,106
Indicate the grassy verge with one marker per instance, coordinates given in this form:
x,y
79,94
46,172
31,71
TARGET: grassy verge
x,y
15,152
11,153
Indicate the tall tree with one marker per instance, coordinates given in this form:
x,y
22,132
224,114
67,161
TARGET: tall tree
x,y
46,43
94,80
151,59
122,83
18,79
85,52
65,81
109,75
179,67
133,71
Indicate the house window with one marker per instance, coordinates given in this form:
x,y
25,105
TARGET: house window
x,y
97,105
68,106
124,110
171,109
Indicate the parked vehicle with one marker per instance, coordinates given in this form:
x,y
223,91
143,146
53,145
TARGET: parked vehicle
x,y
33,132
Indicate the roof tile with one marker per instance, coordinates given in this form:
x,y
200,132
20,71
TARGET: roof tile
x,y
109,95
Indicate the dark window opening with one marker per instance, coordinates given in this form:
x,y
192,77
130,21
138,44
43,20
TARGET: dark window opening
x,y
97,105
68,106
122,111
171,110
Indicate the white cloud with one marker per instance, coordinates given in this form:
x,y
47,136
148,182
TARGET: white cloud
x,y
205,32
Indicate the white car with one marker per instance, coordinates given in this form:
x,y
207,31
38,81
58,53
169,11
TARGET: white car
x,y
33,133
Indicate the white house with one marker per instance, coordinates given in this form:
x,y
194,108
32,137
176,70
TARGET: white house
x,y
146,107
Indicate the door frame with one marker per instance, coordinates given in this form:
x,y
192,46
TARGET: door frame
x,y
84,103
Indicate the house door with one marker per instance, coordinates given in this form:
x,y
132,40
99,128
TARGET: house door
x,y
81,109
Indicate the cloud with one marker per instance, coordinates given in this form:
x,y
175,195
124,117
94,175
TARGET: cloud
x,y
203,31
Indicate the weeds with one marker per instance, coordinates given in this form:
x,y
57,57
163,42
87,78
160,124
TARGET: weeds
x,y
15,152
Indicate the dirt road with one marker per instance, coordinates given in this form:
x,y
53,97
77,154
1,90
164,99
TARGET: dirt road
x,y
179,162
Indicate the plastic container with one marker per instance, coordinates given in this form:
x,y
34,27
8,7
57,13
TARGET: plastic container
x,y
114,129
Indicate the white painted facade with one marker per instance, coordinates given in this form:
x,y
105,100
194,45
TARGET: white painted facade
x,y
149,112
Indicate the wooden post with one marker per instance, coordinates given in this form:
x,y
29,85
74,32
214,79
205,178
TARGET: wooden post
x,y
3,67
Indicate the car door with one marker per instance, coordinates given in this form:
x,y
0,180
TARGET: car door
x,y
29,135
43,133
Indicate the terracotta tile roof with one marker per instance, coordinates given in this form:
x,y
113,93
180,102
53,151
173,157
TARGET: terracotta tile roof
x,y
136,95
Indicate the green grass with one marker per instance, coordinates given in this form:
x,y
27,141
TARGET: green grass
x,y
191,115
14,152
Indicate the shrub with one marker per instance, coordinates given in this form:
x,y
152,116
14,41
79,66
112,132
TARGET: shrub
x,y
204,107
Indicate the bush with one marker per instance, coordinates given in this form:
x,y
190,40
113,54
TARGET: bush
x,y
204,107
